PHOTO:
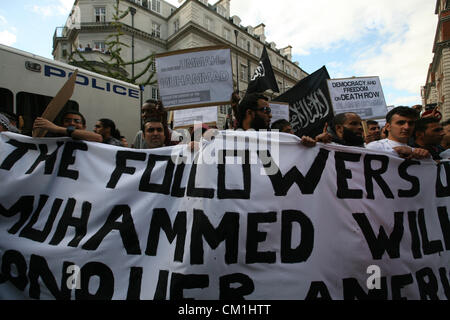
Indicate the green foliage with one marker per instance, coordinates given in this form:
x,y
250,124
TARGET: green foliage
x,y
114,65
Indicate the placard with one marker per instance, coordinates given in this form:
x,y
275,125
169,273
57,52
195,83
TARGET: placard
x,y
361,95
280,110
187,117
195,77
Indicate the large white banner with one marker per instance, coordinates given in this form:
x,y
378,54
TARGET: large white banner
x,y
363,96
82,220
195,77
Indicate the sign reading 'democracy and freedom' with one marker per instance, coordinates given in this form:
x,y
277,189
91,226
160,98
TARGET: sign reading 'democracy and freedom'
x,y
280,110
187,117
195,77
363,96
83,220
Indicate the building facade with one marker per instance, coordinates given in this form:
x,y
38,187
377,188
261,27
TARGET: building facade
x,y
436,90
157,27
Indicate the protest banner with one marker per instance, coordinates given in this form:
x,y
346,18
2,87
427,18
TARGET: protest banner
x,y
186,117
195,77
361,95
280,110
309,104
84,220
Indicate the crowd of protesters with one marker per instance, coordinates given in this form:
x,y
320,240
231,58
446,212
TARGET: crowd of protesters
x,y
405,133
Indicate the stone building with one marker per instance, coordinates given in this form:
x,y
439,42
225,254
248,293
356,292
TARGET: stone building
x,y
436,90
157,27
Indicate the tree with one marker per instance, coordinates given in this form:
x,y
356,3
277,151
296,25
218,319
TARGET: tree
x,y
114,67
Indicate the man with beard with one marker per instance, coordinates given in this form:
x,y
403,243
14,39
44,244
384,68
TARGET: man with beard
x,y
400,123
254,112
347,129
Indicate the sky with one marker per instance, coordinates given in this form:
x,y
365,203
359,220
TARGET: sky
x,y
389,39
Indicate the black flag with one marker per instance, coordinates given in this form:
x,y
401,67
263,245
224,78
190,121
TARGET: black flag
x,y
309,104
263,78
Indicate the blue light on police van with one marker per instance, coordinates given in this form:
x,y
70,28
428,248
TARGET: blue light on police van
x,y
32,66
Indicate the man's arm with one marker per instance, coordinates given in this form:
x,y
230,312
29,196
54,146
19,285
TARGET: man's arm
x,y
45,124
324,137
412,153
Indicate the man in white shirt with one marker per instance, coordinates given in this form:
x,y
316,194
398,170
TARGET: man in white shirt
x,y
400,123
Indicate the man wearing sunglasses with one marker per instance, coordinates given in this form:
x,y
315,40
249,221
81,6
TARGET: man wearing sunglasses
x,y
73,125
254,112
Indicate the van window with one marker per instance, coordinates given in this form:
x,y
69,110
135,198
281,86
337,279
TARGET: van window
x,y
6,100
30,106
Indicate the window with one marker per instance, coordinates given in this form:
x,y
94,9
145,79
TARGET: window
x,y
155,93
156,30
6,100
209,24
242,43
145,3
256,51
221,11
156,6
244,73
227,34
153,67
100,14
248,46
176,25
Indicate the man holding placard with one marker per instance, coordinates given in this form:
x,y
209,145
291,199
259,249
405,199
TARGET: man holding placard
x,y
73,125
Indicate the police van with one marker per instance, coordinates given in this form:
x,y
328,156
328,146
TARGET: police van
x,y
29,82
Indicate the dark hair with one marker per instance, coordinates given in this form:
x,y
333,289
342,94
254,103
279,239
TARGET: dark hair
x,y
280,124
158,111
402,111
153,101
369,122
167,135
422,124
249,102
445,123
108,123
10,115
153,119
83,120
339,119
